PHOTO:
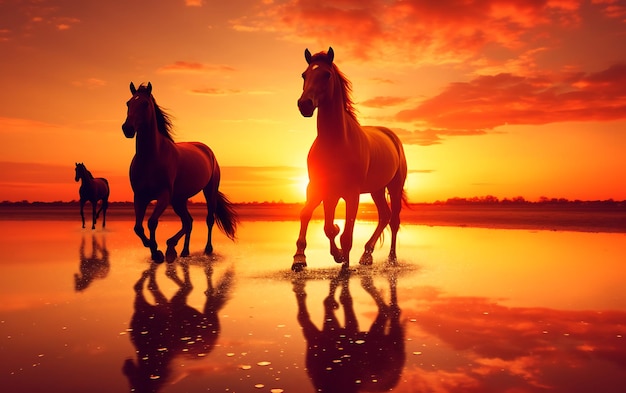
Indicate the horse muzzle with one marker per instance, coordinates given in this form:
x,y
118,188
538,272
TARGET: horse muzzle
x,y
129,130
306,106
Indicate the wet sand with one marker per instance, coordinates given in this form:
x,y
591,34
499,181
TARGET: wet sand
x,y
568,217
467,309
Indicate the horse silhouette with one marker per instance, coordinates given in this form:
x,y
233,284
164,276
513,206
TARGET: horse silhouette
x,y
344,359
92,189
92,266
171,173
171,329
346,160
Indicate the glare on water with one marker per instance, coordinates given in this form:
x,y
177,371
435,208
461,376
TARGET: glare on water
x,y
476,310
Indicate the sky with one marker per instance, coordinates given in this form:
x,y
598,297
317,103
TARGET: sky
x,y
490,97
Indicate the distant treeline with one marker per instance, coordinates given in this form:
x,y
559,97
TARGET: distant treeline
x,y
492,200
473,201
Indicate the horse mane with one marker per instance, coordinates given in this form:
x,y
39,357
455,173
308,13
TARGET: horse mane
x,y
163,119
344,83
85,170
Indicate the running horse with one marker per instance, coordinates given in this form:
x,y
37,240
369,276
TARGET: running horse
x,y
346,160
171,173
92,189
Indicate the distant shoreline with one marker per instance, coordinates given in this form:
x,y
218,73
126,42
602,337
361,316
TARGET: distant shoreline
x,y
581,217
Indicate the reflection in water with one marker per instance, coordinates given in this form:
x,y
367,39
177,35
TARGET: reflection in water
x,y
170,328
92,266
346,359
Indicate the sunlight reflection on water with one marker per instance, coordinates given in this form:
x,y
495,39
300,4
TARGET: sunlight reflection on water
x,y
477,310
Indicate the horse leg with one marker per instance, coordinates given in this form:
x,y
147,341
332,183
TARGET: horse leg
x,y
94,205
210,195
82,215
299,259
103,210
180,208
331,229
352,206
383,219
105,206
162,202
140,205
395,197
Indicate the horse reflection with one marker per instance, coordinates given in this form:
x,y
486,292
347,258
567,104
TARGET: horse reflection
x,y
346,359
171,329
92,266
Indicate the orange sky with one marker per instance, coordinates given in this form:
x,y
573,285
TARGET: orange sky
x,y
499,97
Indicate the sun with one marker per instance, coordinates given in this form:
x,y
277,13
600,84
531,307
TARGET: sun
x,y
301,183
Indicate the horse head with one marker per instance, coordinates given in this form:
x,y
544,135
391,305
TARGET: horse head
x,y
137,107
80,171
318,84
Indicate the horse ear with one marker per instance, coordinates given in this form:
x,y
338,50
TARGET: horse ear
x,y
132,88
330,54
307,55
149,88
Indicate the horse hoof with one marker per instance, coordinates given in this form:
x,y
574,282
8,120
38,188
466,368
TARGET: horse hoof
x,y
298,266
157,256
366,260
339,258
170,254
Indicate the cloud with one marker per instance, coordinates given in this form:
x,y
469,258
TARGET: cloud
x,y
193,3
517,348
432,136
214,91
490,101
90,83
384,101
188,66
446,31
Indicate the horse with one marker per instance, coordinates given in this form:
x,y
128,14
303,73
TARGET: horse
x,y
344,358
346,160
171,173
92,190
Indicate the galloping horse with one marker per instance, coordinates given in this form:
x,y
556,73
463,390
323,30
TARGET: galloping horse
x,y
171,173
92,190
346,160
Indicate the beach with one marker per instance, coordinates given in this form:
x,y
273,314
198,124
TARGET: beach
x,y
584,217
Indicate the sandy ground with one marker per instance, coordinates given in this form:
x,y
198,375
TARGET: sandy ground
x,y
570,217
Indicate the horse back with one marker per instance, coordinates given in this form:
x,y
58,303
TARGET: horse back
x,y
386,157
197,166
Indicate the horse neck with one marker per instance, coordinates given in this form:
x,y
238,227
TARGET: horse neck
x,y
86,179
334,124
149,141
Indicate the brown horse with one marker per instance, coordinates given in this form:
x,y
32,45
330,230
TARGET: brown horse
x,y
92,189
171,173
344,358
346,160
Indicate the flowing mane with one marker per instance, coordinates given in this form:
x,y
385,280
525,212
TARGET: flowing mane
x,y
163,119
346,85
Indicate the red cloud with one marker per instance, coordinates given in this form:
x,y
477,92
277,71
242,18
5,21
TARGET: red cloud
x,y
431,136
439,31
188,66
491,101
500,348
382,102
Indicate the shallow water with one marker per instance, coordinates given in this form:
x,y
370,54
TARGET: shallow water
x,y
466,310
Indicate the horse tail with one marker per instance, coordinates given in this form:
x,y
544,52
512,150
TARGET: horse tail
x,y
226,216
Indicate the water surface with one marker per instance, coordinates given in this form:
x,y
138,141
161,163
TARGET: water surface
x,y
466,310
